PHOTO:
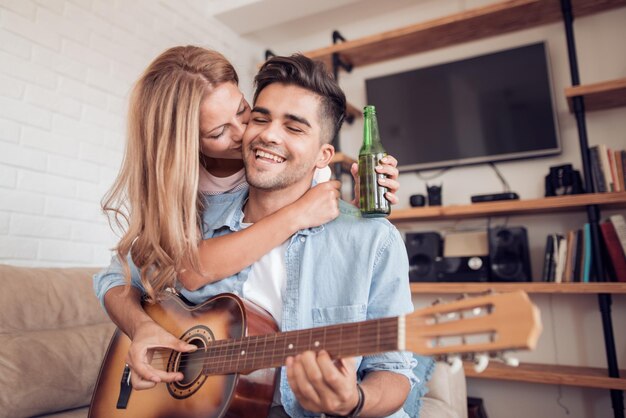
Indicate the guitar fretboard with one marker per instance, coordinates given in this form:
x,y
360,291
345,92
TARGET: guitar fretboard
x,y
271,350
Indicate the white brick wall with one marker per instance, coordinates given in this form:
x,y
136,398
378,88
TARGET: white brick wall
x,y
66,67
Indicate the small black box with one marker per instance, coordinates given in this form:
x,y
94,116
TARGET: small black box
x,y
480,198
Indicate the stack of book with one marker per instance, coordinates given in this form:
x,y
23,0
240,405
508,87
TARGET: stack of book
x,y
568,258
608,168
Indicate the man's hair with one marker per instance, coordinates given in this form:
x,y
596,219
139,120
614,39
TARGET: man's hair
x,y
301,71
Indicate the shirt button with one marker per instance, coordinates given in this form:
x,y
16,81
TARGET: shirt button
x,y
302,239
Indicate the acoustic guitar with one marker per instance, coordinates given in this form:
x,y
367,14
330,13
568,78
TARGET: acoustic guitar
x,y
233,371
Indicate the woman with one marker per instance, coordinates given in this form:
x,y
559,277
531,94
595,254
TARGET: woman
x,y
186,120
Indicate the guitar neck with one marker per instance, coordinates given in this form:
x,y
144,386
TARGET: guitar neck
x,y
271,350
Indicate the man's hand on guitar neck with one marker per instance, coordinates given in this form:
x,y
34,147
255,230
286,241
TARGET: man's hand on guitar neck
x,y
323,385
124,309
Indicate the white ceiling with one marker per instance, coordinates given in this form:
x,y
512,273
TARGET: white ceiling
x,y
274,22
248,16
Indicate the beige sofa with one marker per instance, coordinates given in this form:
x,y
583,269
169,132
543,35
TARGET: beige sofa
x,y
53,336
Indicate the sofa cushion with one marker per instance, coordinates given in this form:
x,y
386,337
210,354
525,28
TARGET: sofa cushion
x,y
53,369
53,336
34,299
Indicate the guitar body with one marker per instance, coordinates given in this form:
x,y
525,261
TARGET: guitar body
x,y
231,395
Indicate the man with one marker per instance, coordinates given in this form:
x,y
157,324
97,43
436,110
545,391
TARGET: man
x,y
350,269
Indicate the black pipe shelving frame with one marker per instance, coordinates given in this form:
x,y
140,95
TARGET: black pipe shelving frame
x,y
593,211
339,63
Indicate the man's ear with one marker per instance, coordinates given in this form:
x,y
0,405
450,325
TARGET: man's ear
x,y
326,153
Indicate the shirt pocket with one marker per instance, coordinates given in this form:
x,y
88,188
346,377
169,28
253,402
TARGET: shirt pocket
x,y
339,314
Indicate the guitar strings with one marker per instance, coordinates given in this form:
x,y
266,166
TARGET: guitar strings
x,y
228,362
331,333
234,362
229,350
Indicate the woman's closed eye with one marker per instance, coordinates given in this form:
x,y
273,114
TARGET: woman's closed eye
x,y
216,135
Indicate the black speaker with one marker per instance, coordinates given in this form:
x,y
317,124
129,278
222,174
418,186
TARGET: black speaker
x,y
423,249
462,269
508,255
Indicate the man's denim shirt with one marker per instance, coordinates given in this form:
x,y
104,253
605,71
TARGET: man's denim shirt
x,y
351,269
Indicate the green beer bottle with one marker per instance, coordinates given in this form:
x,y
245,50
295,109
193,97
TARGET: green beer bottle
x,y
372,202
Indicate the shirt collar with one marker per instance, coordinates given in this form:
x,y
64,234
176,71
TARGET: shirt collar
x,y
224,210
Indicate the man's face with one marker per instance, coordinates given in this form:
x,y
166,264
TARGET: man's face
x,y
281,145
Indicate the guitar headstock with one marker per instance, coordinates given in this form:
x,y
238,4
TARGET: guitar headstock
x,y
475,327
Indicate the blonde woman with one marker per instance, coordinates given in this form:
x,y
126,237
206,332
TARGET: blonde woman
x,y
186,120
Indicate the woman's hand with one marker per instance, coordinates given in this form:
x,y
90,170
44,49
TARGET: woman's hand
x,y
388,167
319,205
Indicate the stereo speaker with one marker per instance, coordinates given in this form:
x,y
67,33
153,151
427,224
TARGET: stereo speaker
x,y
423,249
463,269
508,254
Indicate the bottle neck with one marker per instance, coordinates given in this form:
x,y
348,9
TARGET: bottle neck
x,y
371,138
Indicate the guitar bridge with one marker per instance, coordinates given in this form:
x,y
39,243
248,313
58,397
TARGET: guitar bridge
x,y
125,388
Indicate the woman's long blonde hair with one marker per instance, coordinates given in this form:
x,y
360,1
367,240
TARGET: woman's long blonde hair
x,y
154,200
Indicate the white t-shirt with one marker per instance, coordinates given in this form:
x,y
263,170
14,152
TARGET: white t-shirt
x,y
266,285
267,281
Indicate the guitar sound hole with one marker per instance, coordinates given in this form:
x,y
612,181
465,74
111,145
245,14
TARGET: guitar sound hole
x,y
191,364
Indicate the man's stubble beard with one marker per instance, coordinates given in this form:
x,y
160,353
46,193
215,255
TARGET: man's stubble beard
x,y
270,181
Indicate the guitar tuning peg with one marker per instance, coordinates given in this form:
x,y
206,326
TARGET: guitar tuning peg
x,y
476,311
509,361
455,363
481,361
436,301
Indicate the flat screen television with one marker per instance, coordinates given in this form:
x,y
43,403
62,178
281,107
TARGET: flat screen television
x,y
488,108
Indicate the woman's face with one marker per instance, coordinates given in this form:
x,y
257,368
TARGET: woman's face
x,y
224,115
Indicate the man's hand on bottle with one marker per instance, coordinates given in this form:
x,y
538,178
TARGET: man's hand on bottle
x,y
388,167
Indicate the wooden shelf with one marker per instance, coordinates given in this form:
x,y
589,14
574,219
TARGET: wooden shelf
x,y
510,207
345,161
593,288
470,25
598,96
590,377
352,112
